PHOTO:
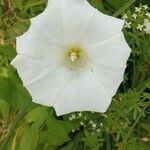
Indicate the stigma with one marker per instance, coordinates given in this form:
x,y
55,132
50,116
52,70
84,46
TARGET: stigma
x,y
73,56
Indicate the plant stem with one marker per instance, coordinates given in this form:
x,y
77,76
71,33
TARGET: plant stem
x,y
123,8
15,124
108,142
123,147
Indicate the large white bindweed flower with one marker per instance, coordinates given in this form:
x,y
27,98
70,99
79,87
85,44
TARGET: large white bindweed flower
x,y
72,57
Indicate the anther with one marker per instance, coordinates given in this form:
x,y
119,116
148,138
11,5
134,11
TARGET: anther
x,y
73,57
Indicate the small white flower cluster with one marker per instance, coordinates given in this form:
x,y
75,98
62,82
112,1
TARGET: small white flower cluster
x,y
74,116
84,122
95,126
140,19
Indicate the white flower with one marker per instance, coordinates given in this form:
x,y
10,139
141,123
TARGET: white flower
x,y
124,17
80,114
147,27
81,123
134,15
127,25
72,57
145,7
91,122
148,14
146,20
138,9
70,118
73,117
94,125
140,27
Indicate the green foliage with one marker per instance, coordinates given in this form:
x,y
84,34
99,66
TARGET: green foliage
x,y
28,126
8,50
98,4
29,138
56,133
117,3
4,109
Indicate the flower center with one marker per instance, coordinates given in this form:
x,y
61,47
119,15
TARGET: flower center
x,y
74,58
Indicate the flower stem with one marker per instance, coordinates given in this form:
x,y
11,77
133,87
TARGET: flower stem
x,y
124,7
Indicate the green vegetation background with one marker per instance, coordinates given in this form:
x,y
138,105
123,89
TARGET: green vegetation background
x,y
28,126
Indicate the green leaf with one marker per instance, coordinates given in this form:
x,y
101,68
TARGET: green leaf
x,y
68,147
124,7
98,4
8,50
15,95
116,3
4,109
38,115
56,133
8,91
20,27
29,138
135,113
3,71
145,126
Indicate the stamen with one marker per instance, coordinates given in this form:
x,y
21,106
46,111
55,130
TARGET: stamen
x,y
73,57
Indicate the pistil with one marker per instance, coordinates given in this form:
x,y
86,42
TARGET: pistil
x,y
73,56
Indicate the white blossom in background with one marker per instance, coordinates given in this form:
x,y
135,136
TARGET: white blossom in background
x,y
80,114
124,17
147,27
81,123
141,17
98,130
127,25
73,116
73,57
138,9
134,16
148,15
91,122
94,125
145,7
140,27
146,20
73,130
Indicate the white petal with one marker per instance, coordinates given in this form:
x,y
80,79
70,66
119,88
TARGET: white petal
x,y
35,44
49,22
40,57
46,90
113,52
44,79
109,77
44,34
31,69
76,16
101,28
82,93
